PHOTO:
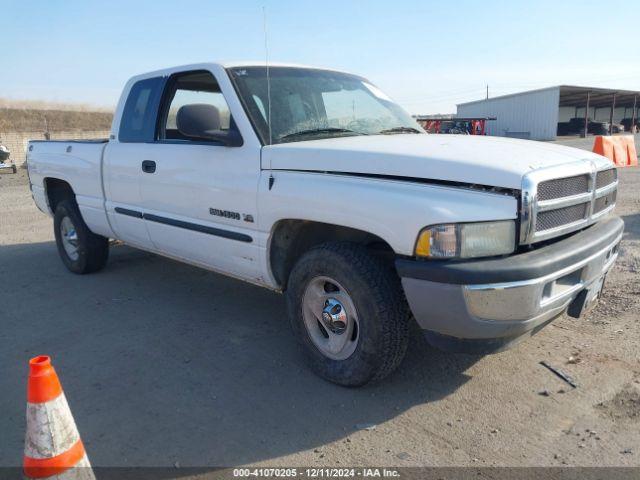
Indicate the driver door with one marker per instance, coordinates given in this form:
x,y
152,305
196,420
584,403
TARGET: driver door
x,y
200,197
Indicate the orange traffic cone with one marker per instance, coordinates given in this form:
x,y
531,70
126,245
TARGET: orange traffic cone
x,y
52,446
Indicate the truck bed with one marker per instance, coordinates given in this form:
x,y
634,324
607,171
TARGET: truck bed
x,y
76,162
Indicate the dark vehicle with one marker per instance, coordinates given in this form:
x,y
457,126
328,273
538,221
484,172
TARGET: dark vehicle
x,y
564,128
598,128
575,126
617,128
627,122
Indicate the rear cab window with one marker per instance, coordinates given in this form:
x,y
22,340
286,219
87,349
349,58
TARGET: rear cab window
x,y
138,122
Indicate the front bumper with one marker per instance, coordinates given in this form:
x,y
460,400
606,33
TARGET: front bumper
x,y
487,305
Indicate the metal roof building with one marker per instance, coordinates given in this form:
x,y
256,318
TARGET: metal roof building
x,y
538,114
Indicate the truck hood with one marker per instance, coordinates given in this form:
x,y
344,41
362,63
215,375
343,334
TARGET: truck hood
x,y
491,161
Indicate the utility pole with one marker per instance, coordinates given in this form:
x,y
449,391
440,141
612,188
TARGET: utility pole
x,y
487,91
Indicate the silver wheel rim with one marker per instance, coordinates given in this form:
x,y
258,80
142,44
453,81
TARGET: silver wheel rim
x,y
330,318
69,238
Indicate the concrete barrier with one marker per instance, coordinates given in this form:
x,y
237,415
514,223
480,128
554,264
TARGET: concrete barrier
x,y
16,142
621,150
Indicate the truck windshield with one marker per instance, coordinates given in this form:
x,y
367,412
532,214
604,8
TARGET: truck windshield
x,y
310,104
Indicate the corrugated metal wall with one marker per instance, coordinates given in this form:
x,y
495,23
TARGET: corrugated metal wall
x,y
532,115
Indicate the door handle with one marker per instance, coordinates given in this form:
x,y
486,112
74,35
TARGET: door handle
x,y
148,166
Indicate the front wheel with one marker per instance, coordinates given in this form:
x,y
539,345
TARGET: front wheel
x,y
347,310
81,250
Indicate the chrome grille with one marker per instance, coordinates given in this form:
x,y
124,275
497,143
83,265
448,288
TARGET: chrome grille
x,y
564,198
561,216
563,187
604,202
606,177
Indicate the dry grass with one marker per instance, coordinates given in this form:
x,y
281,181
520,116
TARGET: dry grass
x,y
26,120
44,105
36,115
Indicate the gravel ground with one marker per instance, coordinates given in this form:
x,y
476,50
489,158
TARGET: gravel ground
x,y
164,364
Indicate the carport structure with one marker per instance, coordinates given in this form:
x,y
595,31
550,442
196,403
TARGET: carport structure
x,y
545,113
586,102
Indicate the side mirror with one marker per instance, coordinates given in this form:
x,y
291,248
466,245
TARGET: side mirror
x,y
229,138
202,121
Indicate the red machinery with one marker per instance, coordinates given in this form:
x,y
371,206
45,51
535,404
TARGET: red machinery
x,y
470,126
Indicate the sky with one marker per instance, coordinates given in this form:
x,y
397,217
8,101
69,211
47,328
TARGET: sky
x,y
427,55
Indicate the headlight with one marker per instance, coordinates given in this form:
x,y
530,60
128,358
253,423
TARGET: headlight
x,y
467,240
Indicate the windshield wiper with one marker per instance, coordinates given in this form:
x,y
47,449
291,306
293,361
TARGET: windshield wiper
x,y
320,131
400,130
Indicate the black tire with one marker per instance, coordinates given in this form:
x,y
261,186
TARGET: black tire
x,y
383,313
92,249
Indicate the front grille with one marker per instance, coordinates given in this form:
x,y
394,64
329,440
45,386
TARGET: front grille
x,y
604,202
562,199
561,216
606,177
563,187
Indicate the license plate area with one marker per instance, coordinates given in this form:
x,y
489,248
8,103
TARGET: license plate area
x,y
587,298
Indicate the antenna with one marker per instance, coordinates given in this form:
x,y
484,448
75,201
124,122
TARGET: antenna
x,y
266,63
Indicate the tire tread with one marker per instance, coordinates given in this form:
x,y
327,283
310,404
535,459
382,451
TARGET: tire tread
x,y
390,307
94,248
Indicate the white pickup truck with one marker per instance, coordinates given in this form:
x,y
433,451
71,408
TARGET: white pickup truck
x,y
314,183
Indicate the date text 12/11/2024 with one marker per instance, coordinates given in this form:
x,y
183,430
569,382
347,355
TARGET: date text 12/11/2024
x,y
317,472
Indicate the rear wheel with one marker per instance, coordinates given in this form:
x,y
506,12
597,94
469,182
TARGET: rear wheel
x,y
347,310
81,250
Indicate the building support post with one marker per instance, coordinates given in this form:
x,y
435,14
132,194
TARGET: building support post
x,y
613,107
586,115
634,113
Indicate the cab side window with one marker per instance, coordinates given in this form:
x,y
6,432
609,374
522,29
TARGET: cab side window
x,y
188,89
139,115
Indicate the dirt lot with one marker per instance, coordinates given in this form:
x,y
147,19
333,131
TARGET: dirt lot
x,y
166,364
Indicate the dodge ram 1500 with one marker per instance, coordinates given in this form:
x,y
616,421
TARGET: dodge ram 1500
x,y
314,183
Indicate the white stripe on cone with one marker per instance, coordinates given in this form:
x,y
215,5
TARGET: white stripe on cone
x,y
51,430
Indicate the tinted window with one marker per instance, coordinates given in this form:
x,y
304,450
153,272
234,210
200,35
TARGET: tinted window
x,y
191,88
138,122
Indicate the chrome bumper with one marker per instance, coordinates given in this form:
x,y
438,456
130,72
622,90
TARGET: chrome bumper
x,y
539,298
520,293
